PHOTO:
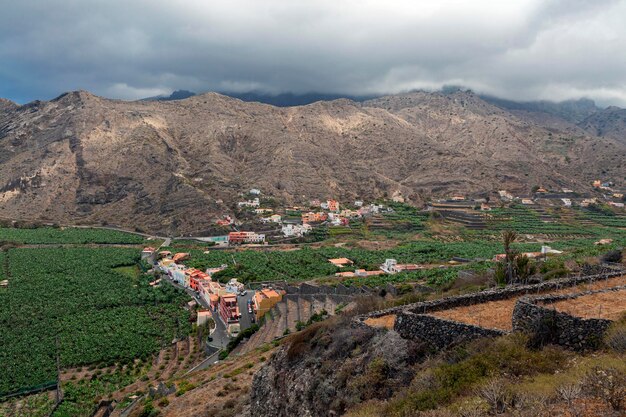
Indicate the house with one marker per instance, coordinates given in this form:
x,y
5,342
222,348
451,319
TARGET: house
x,y
358,203
567,202
275,218
148,254
315,203
349,213
541,190
588,202
549,250
179,257
618,195
245,237
614,204
485,207
229,309
255,191
340,262
264,300
211,271
263,210
296,230
311,217
250,203
4,283
332,205
597,184
165,254
203,317
527,201
505,195
226,221
567,190
391,266
457,198
233,286
196,277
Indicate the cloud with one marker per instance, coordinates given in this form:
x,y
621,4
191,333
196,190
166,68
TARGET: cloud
x,y
525,49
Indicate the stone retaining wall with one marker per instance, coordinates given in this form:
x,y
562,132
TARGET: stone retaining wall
x,y
491,295
438,332
533,316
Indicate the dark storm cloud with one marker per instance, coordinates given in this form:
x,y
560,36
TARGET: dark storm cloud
x,y
131,49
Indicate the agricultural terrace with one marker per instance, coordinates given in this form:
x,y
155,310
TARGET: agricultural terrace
x,y
498,314
72,302
67,235
552,222
308,263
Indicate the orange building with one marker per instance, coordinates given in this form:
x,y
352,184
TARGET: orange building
x,y
264,300
311,217
333,205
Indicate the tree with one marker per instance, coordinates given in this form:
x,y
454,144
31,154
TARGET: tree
x,y
508,237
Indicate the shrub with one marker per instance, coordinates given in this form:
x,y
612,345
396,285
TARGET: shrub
x,y
497,394
164,402
608,384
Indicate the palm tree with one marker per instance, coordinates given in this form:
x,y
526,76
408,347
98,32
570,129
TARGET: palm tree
x,y
508,237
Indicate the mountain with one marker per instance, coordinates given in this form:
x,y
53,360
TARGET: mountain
x,y
610,122
573,111
173,166
176,95
291,99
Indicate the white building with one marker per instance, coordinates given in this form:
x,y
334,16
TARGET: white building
x,y
505,195
567,202
296,230
233,286
250,203
255,191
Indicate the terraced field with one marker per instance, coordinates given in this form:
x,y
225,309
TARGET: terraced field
x,y
497,314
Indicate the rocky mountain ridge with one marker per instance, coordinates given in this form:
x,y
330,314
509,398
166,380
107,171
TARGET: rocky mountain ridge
x,y
174,166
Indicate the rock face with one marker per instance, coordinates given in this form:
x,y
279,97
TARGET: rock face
x,y
166,166
332,370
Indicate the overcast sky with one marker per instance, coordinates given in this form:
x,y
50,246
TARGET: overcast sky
x,y
129,49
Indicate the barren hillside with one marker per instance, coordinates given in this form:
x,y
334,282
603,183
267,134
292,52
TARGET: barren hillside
x,y
165,166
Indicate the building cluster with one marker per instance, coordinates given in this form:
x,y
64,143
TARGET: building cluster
x,y
390,266
221,298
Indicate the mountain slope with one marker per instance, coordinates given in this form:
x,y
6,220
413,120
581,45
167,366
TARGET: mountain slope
x,y
166,166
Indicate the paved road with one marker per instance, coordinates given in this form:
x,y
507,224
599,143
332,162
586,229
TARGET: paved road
x,y
246,318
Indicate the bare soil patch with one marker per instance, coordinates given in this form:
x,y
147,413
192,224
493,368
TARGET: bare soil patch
x,y
607,305
382,322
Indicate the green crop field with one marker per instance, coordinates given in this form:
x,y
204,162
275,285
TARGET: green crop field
x,y
51,235
71,302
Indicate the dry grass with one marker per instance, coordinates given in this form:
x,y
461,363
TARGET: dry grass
x,y
608,305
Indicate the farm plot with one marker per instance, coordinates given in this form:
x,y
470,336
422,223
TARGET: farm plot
x,y
607,305
51,235
70,303
498,314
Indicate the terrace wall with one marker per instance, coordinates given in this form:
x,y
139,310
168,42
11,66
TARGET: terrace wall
x,y
533,316
491,295
438,332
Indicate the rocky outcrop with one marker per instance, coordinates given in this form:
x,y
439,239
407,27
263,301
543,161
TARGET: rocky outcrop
x,y
329,371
